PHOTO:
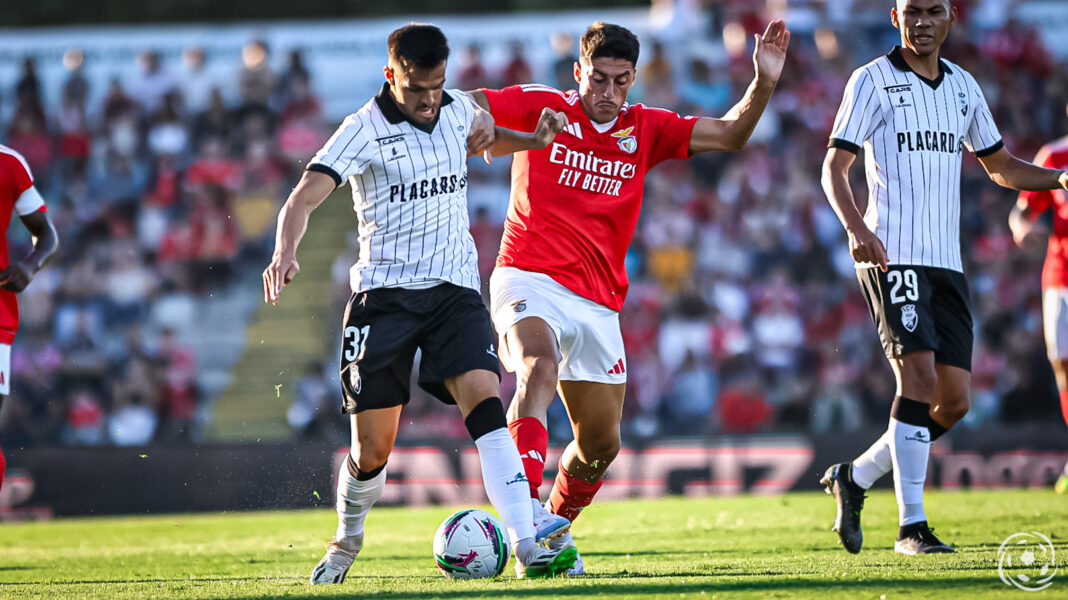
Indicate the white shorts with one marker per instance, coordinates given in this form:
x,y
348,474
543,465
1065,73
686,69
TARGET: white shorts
x,y
591,344
1055,322
5,370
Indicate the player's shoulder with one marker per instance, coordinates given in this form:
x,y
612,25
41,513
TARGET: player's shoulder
x,y
955,70
460,96
14,162
644,112
548,93
868,71
1057,148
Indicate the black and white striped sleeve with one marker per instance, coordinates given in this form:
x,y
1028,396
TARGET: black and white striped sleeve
x,y
859,113
983,136
345,153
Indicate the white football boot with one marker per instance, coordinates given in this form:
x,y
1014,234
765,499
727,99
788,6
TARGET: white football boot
x,y
337,560
547,526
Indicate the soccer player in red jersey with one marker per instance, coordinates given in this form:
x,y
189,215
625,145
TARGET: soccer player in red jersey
x,y
1028,235
560,280
18,194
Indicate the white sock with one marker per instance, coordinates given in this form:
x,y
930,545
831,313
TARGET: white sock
x,y
354,499
910,448
1066,469
506,483
874,463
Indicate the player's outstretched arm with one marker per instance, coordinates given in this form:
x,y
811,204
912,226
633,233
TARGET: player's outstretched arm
x,y
864,246
1008,171
18,275
309,193
549,124
732,131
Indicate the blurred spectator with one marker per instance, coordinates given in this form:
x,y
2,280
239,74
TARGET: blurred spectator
x,y
517,70
152,83
256,77
472,71
563,67
195,81
310,413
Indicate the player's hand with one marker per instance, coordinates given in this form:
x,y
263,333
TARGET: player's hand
x,y
277,275
770,53
482,135
549,124
866,247
16,277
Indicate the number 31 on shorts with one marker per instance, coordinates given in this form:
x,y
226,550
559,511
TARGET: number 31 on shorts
x,y
906,279
355,341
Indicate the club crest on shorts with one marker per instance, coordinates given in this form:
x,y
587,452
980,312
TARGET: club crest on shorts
x,y
627,142
909,318
519,305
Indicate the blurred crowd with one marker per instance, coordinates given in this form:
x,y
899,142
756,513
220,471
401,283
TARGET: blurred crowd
x,y
164,195
744,313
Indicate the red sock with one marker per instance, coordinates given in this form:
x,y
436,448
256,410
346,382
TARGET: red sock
x,y
3,467
532,440
570,495
1064,405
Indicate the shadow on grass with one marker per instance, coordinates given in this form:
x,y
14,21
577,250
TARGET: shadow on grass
x,y
612,585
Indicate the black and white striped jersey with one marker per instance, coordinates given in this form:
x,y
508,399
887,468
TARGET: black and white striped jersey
x,y
409,192
913,131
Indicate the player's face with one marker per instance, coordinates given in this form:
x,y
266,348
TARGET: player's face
x,y
417,91
924,24
603,86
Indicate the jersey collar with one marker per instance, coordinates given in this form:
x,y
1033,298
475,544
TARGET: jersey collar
x,y
899,63
394,115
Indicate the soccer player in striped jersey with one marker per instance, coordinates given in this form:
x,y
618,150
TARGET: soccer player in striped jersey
x,y
18,194
415,287
1028,233
560,279
914,114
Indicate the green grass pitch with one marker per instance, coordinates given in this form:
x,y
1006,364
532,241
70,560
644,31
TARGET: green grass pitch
x,y
750,546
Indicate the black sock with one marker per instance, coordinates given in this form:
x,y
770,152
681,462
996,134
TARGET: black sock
x,y
486,417
361,475
936,430
849,480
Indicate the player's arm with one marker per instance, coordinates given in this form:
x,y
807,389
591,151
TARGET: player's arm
x,y
18,275
1008,171
732,131
309,193
549,124
864,246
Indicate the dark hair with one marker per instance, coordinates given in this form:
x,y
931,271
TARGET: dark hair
x,y
419,44
604,40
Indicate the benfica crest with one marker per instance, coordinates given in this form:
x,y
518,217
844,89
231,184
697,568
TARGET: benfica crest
x,y
627,142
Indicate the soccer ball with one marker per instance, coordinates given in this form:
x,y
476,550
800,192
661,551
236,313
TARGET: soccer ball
x,y
471,544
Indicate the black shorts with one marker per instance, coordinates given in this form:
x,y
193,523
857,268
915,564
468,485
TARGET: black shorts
x,y
384,327
919,308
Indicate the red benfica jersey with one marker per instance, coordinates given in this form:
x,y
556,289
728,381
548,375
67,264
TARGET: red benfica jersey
x,y
15,180
575,204
1055,269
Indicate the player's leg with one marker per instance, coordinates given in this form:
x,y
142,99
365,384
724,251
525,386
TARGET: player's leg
x,y
360,482
949,405
1055,324
532,349
595,410
526,314
459,366
477,394
5,390
376,360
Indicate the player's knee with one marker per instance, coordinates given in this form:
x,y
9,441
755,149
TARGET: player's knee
x,y
368,458
603,448
953,406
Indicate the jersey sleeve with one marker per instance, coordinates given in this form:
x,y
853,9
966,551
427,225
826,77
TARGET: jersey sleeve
x,y
346,153
30,201
858,115
519,107
1038,202
983,137
672,135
